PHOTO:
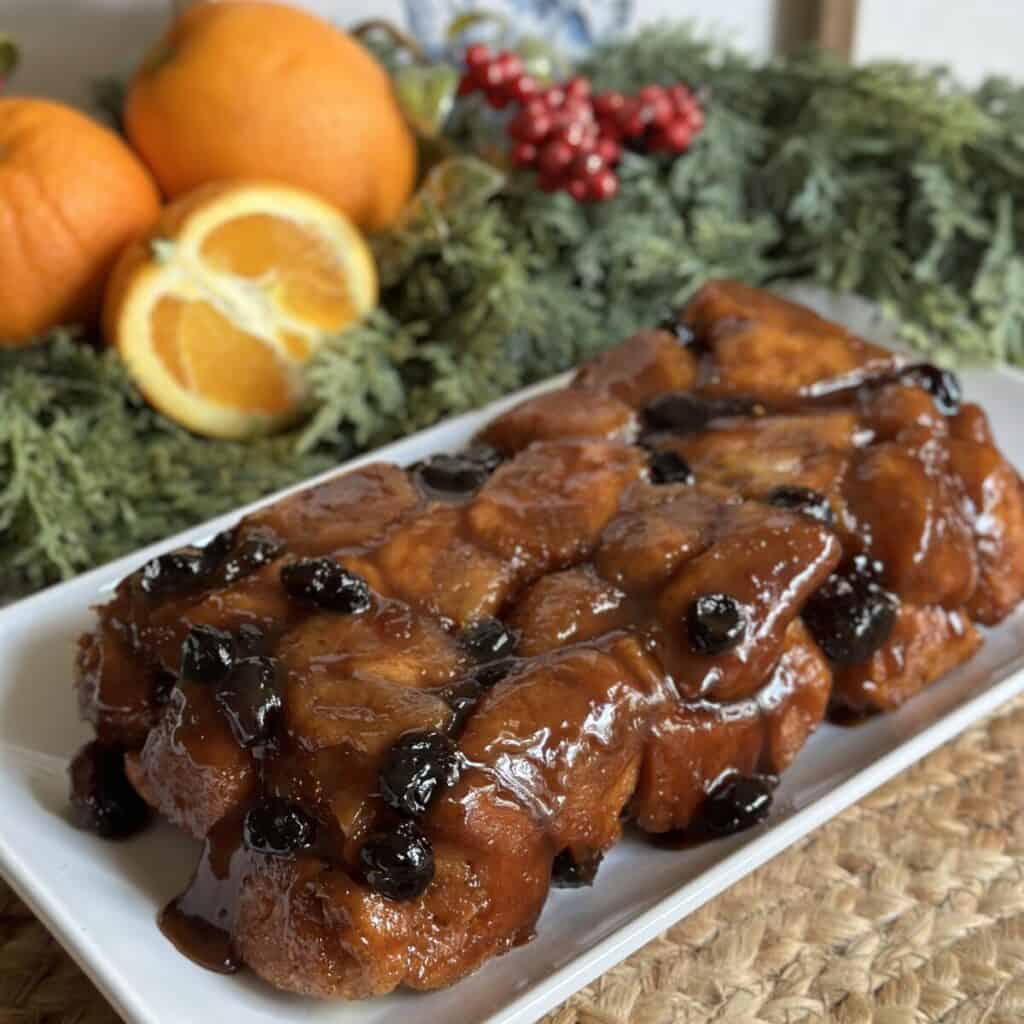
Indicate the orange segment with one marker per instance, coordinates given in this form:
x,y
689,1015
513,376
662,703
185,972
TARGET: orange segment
x,y
296,345
224,364
297,260
166,335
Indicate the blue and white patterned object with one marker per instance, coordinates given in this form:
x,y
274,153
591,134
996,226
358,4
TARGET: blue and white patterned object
x,y
571,26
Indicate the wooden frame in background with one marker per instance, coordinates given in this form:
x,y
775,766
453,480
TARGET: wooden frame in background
x,y
830,24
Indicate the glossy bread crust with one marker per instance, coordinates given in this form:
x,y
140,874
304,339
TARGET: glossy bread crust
x,y
446,688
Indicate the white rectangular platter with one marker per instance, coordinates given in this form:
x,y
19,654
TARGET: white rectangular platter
x,y
101,899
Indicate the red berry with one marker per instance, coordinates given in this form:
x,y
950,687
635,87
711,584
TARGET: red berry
x,y
587,166
491,76
554,158
680,95
547,183
631,120
498,99
554,96
634,126
608,150
467,84
520,126
676,136
479,76
524,154
511,65
588,137
477,55
537,108
578,189
573,135
685,109
578,88
524,88
651,94
695,119
604,185
576,109
529,127
660,111
608,104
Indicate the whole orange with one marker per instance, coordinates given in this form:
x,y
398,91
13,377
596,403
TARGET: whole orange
x,y
242,89
72,195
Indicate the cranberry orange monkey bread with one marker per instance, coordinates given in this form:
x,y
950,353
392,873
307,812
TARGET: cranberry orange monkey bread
x,y
399,706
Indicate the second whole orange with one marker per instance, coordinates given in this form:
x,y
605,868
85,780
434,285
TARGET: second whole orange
x,y
72,196
249,89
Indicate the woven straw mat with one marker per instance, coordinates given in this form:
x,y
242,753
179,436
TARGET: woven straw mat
x,y
907,909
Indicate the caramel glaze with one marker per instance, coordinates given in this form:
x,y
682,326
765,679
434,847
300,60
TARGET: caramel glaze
x,y
607,709
201,920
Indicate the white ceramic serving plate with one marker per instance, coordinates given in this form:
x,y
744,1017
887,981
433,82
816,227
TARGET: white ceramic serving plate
x,y
101,899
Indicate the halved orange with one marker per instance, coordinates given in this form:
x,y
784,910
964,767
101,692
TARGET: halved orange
x,y
217,310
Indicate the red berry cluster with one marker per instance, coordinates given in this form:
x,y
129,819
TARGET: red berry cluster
x,y
658,119
572,137
501,77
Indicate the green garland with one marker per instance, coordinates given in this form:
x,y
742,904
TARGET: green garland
x,y
884,179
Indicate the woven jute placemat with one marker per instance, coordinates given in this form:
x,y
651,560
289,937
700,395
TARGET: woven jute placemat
x,y
907,909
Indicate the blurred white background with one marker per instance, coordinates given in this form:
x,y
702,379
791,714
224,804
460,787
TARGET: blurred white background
x,y
975,37
66,43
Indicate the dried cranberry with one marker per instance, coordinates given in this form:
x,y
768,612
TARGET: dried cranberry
x,y
451,476
278,827
716,623
416,769
219,547
398,865
736,406
852,614
326,584
250,640
810,503
484,456
684,333
568,873
462,698
489,640
942,385
102,799
161,685
207,654
172,573
492,673
736,803
668,467
252,554
678,412
250,697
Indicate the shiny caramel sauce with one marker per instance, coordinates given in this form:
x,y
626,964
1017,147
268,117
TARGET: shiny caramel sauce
x,y
199,922
193,935
607,689
600,666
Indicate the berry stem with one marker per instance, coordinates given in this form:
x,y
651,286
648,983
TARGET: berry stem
x,y
381,26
